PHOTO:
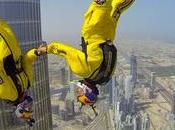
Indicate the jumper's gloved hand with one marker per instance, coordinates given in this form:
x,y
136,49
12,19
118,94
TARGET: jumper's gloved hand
x,y
42,49
24,110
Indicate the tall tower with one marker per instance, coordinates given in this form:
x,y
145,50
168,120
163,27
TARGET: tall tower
x,y
63,76
133,73
109,86
128,88
24,17
145,122
173,104
115,91
129,94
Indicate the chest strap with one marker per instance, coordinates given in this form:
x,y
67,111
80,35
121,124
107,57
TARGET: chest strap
x,y
84,47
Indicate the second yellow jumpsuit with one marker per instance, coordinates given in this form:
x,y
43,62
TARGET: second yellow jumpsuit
x,y
8,89
99,25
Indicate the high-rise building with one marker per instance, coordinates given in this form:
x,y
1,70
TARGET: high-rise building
x,y
173,104
128,88
63,76
129,94
115,92
145,122
133,62
152,84
24,17
70,108
137,122
70,75
109,86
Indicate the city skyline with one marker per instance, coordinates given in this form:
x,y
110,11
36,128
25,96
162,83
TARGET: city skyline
x,y
128,101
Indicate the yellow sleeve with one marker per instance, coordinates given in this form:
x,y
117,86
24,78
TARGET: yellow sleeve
x,y
53,47
27,61
61,49
30,56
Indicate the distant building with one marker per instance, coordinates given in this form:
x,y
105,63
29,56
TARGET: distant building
x,y
137,122
128,88
109,86
113,91
70,75
127,126
152,84
64,115
71,92
64,92
70,108
24,17
63,76
70,99
121,81
56,109
133,68
173,104
146,122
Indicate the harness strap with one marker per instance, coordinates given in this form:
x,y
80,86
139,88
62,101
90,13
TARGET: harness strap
x,y
10,68
12,71
107,66
84,47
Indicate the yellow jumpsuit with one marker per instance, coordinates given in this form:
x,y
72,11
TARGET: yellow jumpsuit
x,y
99,26
8,90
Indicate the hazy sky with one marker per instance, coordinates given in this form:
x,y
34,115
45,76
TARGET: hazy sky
x,y
146,19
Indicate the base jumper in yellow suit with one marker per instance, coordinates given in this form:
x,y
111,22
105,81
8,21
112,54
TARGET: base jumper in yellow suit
x,y
16,74
96,62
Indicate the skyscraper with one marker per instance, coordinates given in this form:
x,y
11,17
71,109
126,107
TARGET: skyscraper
x,y
129,94
114,90
145,122
133,73
173,104
24,17
128,88
63,76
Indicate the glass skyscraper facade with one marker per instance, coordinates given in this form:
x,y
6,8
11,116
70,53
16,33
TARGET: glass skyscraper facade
x,y
24,17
